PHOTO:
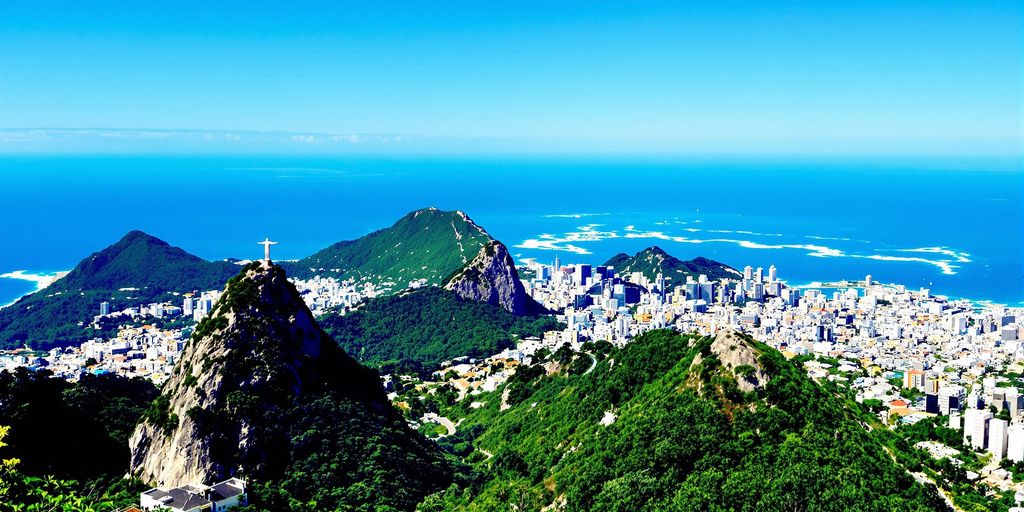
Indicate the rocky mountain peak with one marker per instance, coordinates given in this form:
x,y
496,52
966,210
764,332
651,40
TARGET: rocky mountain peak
x,y
257,352
491,277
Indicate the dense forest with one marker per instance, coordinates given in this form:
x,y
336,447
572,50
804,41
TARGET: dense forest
x,y
662,425
420,329
70,440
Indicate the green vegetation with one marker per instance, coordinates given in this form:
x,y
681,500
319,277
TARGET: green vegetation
x,y
319,433
683,437
67,444
418,330
50,317
21,492
71,431
425,244
653,260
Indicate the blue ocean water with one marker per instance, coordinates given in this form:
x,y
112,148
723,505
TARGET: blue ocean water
x,y
955,226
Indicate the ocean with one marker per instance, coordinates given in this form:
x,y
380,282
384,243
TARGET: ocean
x,y
955,226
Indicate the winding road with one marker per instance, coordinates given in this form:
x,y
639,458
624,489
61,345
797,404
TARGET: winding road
x,y
444,422
593,363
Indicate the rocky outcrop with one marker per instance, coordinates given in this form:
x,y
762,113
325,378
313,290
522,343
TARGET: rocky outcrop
x,y
738,356
244,365
491,277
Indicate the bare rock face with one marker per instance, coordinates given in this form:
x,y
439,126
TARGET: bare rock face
x,y
491,277
739,357
259,348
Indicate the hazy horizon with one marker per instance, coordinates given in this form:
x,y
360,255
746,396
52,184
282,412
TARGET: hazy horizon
x,y
918,78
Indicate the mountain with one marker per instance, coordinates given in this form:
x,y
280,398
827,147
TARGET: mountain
x,y
139,266
677,422
653,260
491,277
261,391
143,261
443,248
426,244
420,329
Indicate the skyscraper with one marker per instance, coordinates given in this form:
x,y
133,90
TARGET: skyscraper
x,y
104,308
772,274
759,275
1015,442
997,438
976,427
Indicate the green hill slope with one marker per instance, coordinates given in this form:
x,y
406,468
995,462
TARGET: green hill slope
x,y
426,244
676,422
422,328
653,260
147,265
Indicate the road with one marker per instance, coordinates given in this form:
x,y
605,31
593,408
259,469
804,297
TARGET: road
x,y
444,422
593,363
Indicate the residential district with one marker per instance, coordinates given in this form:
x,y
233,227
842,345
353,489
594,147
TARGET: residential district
x,y
917,354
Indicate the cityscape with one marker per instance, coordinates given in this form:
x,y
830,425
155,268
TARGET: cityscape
x,y
914,354
511,257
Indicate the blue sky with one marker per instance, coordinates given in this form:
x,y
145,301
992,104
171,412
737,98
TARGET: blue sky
x,y
723,77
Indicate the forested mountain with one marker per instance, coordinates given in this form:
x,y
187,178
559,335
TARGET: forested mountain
x,y
426,244
442,247
139,266
677,422
261,390
419,329
653,260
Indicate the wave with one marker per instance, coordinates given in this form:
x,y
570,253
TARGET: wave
x,y
572,242
573,215
41,280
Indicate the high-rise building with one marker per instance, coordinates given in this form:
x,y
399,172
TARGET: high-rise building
x,y
1015,442
707,292
692,290
759,275
951,399
748,273
104,308
757,290
997,438
867,281
914,379
976,427
1007,398
772,274
723,292
585,273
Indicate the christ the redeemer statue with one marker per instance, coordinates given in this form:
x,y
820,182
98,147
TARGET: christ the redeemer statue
x,y
266,249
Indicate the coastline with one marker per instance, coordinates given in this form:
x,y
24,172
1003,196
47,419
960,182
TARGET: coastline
x,y
41,280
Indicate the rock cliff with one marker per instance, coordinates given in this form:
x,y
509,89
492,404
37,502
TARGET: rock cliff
x,y
249,362
491,277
